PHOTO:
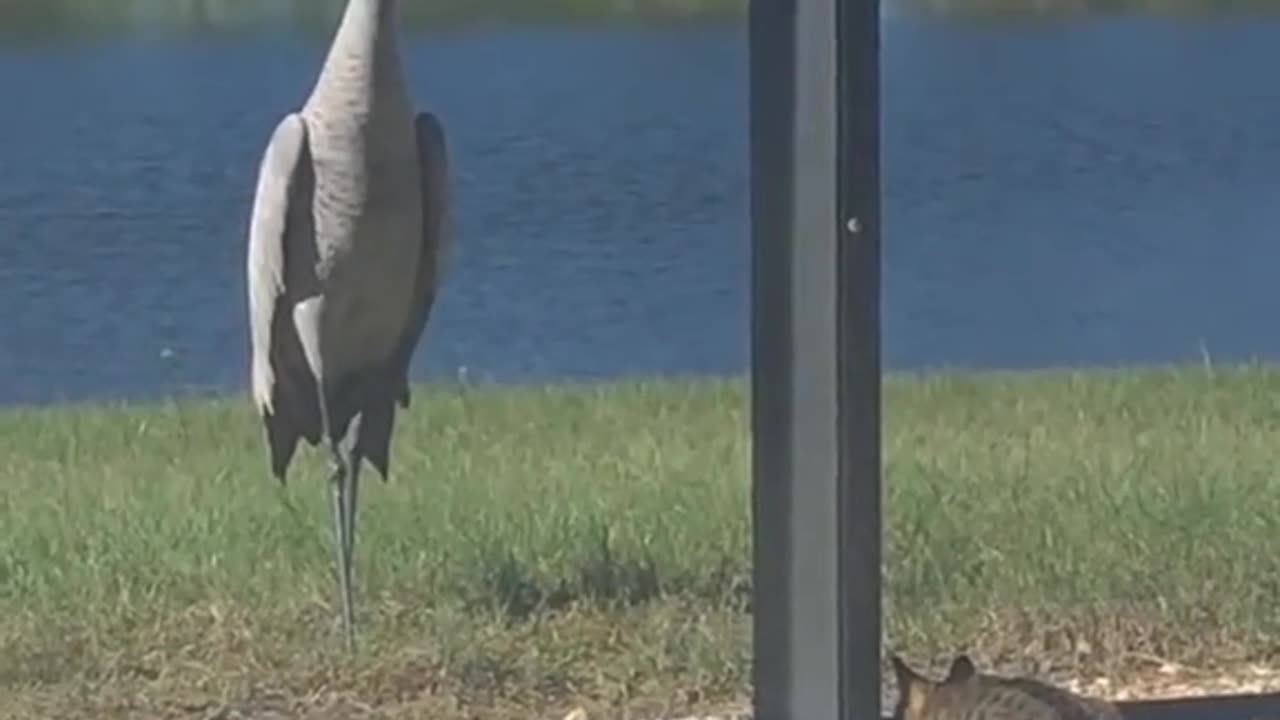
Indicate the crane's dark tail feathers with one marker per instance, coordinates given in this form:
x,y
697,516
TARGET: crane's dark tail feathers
x,y
388,388
372,397
373,441
296,417
282,442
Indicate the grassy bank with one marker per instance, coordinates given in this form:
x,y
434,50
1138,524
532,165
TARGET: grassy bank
x,y
539,547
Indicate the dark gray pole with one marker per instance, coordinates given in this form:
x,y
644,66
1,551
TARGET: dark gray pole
x,y
858,331
815,358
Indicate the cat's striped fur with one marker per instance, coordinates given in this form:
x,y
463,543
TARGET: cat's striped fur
x,y
966,694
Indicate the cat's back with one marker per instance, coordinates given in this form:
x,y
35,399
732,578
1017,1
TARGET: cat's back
x,y
985,700
1067,704
966,694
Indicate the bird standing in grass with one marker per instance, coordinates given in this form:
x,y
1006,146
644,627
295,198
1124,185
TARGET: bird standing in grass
x,y
347,238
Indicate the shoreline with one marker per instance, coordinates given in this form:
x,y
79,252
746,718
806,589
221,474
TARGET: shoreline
x,y
77,16
893,380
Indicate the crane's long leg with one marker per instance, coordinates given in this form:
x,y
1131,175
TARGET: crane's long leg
x,y
353,495
345,477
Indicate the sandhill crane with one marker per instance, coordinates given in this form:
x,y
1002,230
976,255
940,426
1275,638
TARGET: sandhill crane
x,y
347,240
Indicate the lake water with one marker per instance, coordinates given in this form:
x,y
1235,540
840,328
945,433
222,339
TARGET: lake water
x,y
1056,193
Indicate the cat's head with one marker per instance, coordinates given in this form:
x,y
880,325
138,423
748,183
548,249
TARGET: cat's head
x,y
915,691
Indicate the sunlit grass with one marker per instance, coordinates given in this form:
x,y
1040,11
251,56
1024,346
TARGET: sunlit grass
x,y
538,546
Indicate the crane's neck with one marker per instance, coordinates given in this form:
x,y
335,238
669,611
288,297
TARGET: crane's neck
x,y
369,22
364,59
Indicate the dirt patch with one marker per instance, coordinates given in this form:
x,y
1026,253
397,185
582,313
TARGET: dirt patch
x,y
1159,680
1163,680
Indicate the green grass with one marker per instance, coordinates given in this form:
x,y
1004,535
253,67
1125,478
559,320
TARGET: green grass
x,y
538,547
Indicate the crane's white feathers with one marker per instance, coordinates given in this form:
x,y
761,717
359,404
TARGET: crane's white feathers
x,y
286,154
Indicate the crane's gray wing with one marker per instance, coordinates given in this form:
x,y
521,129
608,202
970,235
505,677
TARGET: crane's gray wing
x,y
437,236
278,208
376,423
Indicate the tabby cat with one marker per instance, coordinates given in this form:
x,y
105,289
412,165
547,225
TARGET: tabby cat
x,y
966,694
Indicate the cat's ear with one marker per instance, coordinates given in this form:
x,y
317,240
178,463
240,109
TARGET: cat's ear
x,y
961,669
913,689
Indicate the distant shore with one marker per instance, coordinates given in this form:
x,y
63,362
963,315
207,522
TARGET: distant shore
x,y
74,16
540,547
24,17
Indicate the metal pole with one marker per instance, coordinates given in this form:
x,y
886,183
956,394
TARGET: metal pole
x,y
815,362
858,329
